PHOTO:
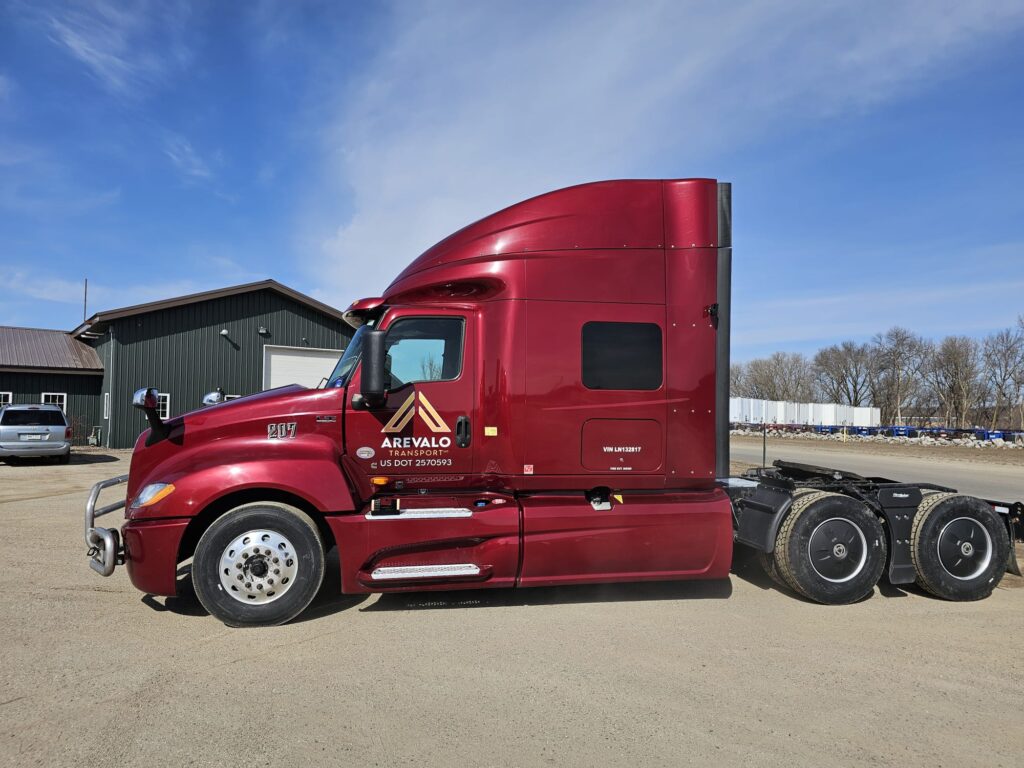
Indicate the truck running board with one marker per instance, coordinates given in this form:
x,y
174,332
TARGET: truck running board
x,y
402,572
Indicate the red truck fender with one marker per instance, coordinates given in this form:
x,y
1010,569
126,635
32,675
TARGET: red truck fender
x,y
215,477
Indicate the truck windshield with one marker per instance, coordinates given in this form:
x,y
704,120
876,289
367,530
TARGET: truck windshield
x,y
343,370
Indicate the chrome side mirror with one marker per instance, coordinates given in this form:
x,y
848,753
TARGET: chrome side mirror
x,y
147,398
214,398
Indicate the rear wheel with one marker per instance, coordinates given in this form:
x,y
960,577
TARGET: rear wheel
x,y
767,559
830,548
258,565
64,458
959,547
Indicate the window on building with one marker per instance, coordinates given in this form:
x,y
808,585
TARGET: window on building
x,y
621,356
163,406
56,398
424,349
106,405
5,398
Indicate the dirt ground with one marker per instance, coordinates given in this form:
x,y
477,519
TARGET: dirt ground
x,y
729,673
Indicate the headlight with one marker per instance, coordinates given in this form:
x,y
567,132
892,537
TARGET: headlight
x,y
152,493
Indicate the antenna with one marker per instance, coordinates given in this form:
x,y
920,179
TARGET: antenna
x,y
85,301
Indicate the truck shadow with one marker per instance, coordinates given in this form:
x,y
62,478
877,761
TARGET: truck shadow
x,y
585,593
746,566
328,600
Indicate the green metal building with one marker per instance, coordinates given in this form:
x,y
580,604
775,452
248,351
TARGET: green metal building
x,y
242,339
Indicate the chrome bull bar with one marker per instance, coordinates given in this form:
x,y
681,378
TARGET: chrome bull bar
x,y
104,543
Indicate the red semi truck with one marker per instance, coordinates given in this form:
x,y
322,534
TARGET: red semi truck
x,y
539,399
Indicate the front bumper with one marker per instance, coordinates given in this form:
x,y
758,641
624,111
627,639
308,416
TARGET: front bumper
x,y
149,549
105,552
33,449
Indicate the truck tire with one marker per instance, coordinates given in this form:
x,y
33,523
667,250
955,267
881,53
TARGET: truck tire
x,y
959,547
258,565
830,548
767,559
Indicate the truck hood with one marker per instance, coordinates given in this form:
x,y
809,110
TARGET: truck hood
x,y
247,417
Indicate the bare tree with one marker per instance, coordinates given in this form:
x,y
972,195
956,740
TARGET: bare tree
x,y
955,369
843,373
430,368
782,376
897,357
962,380
1018,378
1003,355
738,380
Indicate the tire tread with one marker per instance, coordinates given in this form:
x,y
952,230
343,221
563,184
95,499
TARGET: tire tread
x,y
800,504
926,507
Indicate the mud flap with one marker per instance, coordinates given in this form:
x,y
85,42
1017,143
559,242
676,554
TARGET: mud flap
x,y
1012,565
1015,527
760,515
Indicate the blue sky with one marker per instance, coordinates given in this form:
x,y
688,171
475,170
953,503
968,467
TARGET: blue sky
x,y
162,148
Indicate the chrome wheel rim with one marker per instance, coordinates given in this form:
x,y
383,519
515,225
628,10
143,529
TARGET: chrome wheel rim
x,y
964,548
837,550
258,567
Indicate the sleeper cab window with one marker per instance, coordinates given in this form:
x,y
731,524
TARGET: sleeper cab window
x,y
424,349
622,356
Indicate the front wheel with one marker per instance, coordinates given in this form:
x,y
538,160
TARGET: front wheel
x,y
258,565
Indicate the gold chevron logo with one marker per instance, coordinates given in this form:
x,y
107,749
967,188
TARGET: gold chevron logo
x,y
409,409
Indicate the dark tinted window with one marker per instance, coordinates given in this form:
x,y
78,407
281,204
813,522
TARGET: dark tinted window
x,y
621,356
30,418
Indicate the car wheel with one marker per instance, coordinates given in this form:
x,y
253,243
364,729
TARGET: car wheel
x,y
258,565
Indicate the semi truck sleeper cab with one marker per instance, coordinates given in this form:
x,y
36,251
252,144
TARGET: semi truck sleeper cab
x,y
538,399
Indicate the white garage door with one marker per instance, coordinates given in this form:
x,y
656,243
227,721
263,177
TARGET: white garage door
x,y
297,365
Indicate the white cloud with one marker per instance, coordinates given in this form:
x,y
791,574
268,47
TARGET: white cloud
x,y
798,319
471,107
24,290
35,184
185,158
128,48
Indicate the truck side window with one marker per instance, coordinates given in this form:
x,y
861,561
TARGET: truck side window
x,y
424,349
621,355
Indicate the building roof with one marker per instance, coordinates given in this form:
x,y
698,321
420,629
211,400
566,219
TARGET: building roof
x,y
39,348
263,285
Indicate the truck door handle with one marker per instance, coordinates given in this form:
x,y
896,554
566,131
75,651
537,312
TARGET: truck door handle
x,y
462,432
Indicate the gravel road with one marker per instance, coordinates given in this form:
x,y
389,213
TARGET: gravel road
x,y
990,473
730,673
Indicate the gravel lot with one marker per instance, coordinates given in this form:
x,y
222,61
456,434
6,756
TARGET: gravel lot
x,y
725,673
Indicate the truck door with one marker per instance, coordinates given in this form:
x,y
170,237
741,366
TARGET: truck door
x,y
424,432
430,526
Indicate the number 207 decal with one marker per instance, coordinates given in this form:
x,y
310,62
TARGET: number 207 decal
x,y
282,430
